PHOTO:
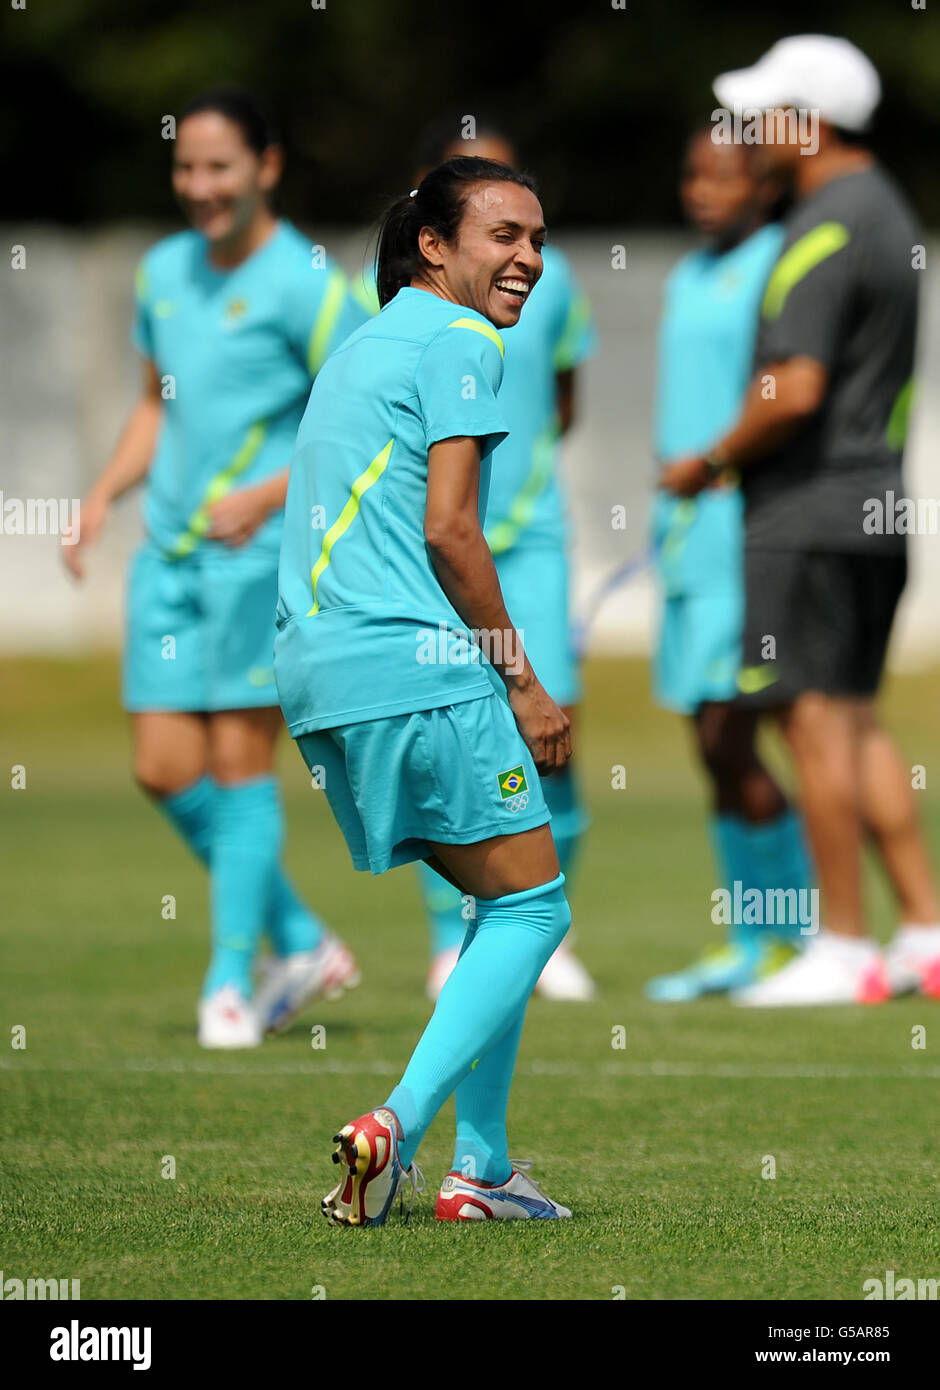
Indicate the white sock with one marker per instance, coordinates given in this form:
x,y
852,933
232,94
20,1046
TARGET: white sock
x,y
922,942
850,948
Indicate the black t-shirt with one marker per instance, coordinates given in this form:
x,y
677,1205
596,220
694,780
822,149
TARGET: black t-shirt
x,y
844,291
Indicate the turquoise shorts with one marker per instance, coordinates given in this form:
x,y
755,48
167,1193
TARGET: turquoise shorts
x,y
455,775
700,567
698,655
200,631
535,584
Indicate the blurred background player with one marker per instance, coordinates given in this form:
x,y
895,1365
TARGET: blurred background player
x,y
233,319
527,531
706,348
836,337
429,758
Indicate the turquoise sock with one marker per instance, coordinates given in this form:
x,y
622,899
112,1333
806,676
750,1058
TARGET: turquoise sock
x,y
291,925
731,843
246,846
483,998
569,818
481,1149
764,856
190,812
445,906
781,860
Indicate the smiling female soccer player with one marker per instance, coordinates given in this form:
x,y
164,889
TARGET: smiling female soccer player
x,y
527,531
424,757
233,319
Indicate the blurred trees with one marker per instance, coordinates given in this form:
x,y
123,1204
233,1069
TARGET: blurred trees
x,y
598,98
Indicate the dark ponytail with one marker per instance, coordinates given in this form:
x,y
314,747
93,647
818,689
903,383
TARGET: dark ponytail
x,y
242,109
437,203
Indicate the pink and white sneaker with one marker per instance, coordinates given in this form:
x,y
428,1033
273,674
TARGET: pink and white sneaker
x,y
912,961
375,1177
830,970
518,1198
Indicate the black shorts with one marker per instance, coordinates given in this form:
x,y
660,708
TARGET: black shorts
x,y
816,620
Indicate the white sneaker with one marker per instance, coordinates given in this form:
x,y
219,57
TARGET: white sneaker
x,y
291,982
441,966
565,978
518,1198
912,961
831,970
228,1020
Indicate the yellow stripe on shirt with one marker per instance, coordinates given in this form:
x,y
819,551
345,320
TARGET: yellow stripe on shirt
x,y
346,517
219,486
502,535
486,329
798,260
325,325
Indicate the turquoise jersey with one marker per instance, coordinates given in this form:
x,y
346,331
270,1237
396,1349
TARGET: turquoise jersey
x,y
235,350
365,630
555,333
706,342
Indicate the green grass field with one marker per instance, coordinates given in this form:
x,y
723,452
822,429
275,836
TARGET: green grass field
x,y
658,1148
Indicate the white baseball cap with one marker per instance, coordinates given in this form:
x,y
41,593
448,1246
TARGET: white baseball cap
x,y
808,71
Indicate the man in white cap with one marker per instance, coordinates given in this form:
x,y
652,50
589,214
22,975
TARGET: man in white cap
x,y
821,435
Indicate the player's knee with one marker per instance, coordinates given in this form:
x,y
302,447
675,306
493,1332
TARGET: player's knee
x,y
159,775
229,766
726,754
558,917
564,921
546,914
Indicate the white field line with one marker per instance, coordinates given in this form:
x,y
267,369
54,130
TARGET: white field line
x,y
732,1071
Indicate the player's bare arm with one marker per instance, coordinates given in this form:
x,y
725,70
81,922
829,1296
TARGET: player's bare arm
x,y
464,566
766,421
128,465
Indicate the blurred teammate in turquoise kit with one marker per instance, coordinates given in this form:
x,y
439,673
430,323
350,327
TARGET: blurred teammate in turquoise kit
x,y
527,530
401,674
709,323
233,319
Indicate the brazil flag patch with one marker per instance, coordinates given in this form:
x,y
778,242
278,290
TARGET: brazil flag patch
x,y
511,783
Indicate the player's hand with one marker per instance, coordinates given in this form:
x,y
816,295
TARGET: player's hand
x,y
544,726
686,477
92,514
235,519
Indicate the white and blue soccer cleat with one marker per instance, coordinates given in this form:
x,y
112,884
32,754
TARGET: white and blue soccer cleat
x,y
518,1198
292,982
369,1148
